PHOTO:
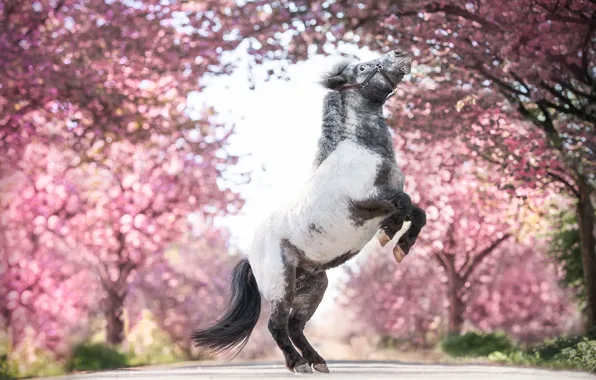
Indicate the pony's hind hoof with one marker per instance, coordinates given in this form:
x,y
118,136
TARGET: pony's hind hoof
x,y
321,368
303,368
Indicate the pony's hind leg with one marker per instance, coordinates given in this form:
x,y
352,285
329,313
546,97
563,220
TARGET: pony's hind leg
x,y
310,288
278,320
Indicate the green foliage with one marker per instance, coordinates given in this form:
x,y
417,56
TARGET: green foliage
x,y
578,352
86,357
475,344
565,248
5,372
153,354
550,349
517,357
26,361
582,355
148,344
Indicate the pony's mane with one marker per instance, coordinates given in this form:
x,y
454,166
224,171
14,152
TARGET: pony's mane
x,y
335,71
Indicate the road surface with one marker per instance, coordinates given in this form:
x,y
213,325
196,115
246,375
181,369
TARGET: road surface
x,y
339,370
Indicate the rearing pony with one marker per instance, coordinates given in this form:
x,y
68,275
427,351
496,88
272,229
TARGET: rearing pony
x,y
355,190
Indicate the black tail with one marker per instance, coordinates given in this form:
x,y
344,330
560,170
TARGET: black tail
x,y
234,327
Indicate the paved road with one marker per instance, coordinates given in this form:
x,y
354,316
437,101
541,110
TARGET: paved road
x,y
339,370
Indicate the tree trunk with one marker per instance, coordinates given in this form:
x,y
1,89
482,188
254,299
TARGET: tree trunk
x,y
11,333
114,317
585,213
455,312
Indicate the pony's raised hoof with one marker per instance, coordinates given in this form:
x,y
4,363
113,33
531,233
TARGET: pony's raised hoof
x,y
303,368
398,253
383,238
322,367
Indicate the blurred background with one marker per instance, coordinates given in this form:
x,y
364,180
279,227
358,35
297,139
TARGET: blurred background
x,y
142,142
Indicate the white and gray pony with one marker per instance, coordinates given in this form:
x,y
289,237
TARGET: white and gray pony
x,y
355,190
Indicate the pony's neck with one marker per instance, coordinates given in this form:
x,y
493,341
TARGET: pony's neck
x,y
348,116
362,116
365,124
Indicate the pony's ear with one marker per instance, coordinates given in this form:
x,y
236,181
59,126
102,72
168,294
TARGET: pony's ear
x,y
335,82
335,78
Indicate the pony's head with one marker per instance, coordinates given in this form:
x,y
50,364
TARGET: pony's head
x,y
375,80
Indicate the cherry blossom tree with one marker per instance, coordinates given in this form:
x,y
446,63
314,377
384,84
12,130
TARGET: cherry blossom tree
x,y
395,302
474,261
41,290
522,295
138,201
185,287
469,217
81,71
516,292
101,164
188,287
118,211
513,79
94,115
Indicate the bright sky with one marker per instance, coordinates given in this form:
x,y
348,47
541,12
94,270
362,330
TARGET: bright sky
x,y
277,127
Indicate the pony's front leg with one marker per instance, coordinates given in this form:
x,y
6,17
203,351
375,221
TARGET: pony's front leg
x,y
418,218
393,223
395,207
383,202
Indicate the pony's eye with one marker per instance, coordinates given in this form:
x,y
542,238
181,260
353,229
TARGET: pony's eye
x,y
362,68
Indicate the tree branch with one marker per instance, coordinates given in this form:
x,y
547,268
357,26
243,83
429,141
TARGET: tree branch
x,y
441,259
577,92
558,94
504,85
44,19
457,11
571,20
436,8
547,125
8,10
568,185
572,68
548,120
582,19
520,80
469,267
569,111
585,51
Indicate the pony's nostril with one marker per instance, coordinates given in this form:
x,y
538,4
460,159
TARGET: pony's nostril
x,y
400,53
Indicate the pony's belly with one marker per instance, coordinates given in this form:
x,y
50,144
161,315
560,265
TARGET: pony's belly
x,y
320,220
343,238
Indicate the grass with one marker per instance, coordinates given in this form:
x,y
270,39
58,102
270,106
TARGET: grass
x,y
90,357
145,345
577,352
476,345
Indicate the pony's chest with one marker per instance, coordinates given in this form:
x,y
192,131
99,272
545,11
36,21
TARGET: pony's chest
x,y
349,171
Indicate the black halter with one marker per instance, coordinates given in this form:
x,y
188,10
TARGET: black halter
x,y
378,69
